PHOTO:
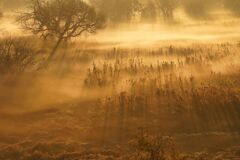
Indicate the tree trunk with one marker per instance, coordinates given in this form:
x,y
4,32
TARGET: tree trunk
x,y
55,49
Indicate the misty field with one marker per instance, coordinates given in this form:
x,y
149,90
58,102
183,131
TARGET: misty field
x,y
156,80
116,103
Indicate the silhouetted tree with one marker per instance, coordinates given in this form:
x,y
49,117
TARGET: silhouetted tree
x,y
117,10
149,12
167,8
61,19
233,6
136,6
199,9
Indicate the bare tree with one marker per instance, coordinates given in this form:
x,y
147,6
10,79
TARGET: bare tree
x,y
167,7
61,19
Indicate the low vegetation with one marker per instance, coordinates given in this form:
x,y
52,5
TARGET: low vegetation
x,y
182,91
16,56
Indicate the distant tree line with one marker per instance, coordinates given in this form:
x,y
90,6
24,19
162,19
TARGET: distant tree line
x,y
148,10
151,10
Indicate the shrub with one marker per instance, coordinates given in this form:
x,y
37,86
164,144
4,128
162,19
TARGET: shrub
x,y
154,148
16,56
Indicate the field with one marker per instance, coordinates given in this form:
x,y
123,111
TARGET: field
x,y
120,103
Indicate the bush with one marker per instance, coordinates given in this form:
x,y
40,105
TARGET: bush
x,y
154,148
16,55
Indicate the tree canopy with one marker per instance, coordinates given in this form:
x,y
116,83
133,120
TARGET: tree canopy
x,y
61,19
